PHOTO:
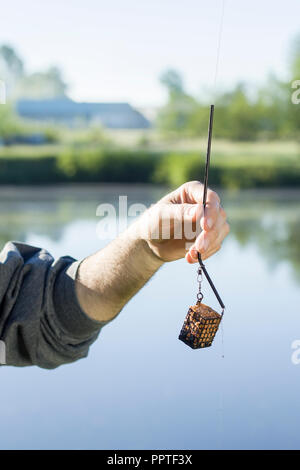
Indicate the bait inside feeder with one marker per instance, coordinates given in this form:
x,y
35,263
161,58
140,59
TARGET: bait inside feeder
x,y
200,326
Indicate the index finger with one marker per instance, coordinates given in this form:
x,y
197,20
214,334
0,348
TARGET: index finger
x,y
211,214
194,193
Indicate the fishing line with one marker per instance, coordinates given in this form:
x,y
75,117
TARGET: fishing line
x,y
220,35
202,322
222,341
221,388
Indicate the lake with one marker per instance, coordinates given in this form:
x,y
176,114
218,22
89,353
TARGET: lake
x,y
140,387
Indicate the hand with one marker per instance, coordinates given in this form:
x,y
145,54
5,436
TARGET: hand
x,y
109,278
176,226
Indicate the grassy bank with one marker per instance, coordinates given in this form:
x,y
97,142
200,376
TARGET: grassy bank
x,y
234,165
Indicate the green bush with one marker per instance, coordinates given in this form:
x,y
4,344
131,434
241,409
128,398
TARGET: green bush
x,y
86,165
29,170
175,169
110,166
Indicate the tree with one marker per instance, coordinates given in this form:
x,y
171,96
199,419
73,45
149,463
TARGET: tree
x,y
172,80
11,68
295,58
47,84
176,114
43,85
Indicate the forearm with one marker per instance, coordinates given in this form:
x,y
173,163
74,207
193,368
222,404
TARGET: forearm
x,y
108,279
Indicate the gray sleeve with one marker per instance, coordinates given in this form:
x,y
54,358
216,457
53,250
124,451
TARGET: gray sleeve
x,y
41,322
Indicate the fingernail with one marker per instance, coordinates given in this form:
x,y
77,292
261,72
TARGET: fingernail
x,y
194,253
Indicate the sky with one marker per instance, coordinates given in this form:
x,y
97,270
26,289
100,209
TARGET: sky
x,y
115,50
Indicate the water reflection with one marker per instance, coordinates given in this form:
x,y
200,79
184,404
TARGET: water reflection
x,y
268,219
271,221
142,388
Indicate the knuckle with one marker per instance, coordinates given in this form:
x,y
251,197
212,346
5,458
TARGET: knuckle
x,y
190,183
214,196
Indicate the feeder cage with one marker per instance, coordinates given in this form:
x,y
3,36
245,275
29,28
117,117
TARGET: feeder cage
x,y
200,326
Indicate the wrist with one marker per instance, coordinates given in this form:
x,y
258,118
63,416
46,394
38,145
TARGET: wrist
x,y
136,232
151,253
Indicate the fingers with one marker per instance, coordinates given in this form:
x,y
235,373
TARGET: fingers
x,y
212,210
189,258
208,242
192,255
184,209
192,192
180,212
216,246
173,222
211,215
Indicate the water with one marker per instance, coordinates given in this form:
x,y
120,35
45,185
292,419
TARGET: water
x,y
142,388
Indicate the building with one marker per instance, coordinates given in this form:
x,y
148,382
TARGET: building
x,y
73,114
